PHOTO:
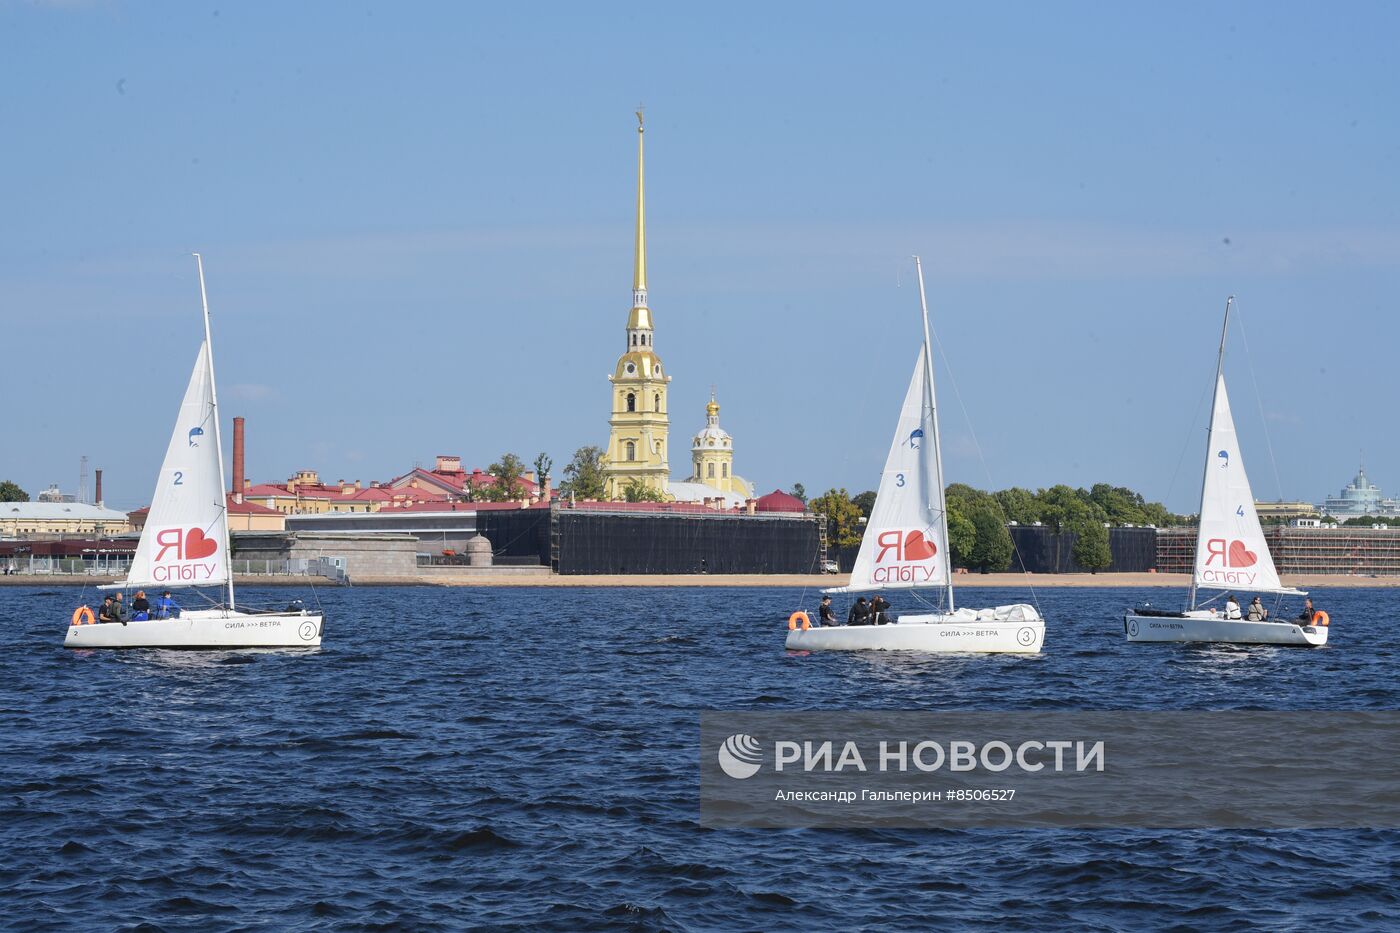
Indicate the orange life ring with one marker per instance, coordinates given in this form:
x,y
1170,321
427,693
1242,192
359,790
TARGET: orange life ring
x,y
83,616
1320,618
799,614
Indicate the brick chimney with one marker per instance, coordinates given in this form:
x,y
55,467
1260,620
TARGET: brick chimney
x,y
547,494
98,491
238,484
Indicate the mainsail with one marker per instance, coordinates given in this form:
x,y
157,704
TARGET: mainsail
x,y
185,539
1230,549
906,539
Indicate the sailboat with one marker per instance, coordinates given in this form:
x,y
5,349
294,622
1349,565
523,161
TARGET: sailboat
x,y
185,542
905,547
1231,553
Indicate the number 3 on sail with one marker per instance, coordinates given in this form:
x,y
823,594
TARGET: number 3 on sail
x,y
905,547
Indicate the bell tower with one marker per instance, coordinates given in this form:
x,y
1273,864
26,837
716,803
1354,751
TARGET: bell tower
x,y
637,442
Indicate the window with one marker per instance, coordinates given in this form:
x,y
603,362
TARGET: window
x,y
631,449
709,471
724,470
631,404
634,340
658,401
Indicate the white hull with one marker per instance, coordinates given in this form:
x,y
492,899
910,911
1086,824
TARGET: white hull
x,y
1202,627
930,633
204,628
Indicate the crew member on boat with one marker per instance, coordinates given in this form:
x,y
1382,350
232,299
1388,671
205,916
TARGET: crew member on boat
x,y
860,613
825,615
1232,606
1256,611
167,608
106,613
1306,616
878,606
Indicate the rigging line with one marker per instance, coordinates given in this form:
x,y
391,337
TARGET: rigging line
x,y
986,470
1259,399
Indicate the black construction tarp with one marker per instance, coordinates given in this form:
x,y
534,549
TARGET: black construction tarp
x,y
598,542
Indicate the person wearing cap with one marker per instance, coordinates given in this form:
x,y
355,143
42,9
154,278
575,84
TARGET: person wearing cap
x,y
105,614
825,615
167,608
860,613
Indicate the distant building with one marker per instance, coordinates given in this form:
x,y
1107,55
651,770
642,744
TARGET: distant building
x,y
1360,497
1285,511
54,494
638,428
242,516
446,483
47,519
712,458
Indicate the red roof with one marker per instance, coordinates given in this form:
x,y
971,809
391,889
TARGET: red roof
x,y
236,508
779,501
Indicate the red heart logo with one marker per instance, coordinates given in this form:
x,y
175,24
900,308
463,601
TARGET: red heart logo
x,y
917,548
197,546
1240,556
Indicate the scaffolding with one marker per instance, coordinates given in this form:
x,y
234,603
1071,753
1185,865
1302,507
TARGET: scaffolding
x,y
1359,551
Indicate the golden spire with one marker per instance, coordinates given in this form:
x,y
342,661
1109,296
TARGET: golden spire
x,y
639,276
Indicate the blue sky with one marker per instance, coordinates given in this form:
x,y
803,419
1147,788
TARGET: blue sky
x,y
416,222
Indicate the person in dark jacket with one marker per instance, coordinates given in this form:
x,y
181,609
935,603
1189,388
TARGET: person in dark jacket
x,y
118,609
824,614
1305,617
140,607
860,613
106,614
879,607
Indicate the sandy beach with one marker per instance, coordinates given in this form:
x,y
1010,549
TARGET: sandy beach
x,y
815,581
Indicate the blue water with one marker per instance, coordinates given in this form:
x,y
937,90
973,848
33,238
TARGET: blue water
x,y
527,758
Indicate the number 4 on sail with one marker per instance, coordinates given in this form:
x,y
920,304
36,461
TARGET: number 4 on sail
x,y
1231,553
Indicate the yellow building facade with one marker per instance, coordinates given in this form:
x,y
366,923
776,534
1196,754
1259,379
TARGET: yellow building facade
x,y
712,456
639,426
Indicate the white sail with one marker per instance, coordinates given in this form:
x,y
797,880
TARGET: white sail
x,y
185,539
906,539
1230,549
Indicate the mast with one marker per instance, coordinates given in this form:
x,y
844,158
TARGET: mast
x,y
939,504
214,409
1205,470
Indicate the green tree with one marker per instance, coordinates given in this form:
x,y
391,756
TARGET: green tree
x,y
1065,509
638,491
1091,549
799,492
10,492
583,477
842,516
962,537
865,501
509,472
1018,505
991,551
543,464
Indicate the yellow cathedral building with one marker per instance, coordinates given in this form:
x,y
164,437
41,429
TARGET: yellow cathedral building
x,y
638,440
